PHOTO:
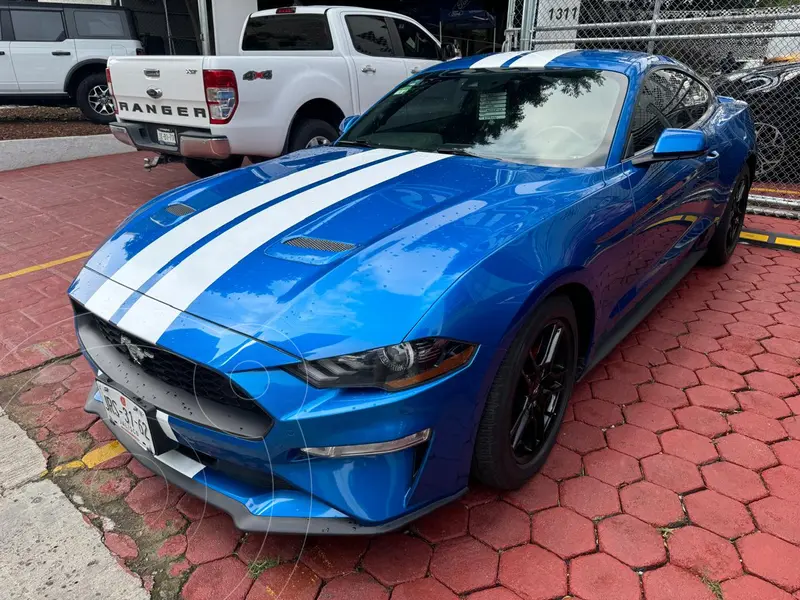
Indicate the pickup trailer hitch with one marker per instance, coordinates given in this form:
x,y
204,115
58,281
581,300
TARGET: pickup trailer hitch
x,y
160,159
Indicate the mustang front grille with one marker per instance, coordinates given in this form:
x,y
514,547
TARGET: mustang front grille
x,y
175,370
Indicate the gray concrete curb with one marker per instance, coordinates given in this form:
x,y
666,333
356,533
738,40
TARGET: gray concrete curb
x,y
18,154
46,548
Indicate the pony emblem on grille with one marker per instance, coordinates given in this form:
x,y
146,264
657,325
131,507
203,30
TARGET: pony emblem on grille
x,y
137,354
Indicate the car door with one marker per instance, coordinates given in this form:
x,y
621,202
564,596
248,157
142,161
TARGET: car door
x,y
670,197
419,49
378,65
41,53
8,80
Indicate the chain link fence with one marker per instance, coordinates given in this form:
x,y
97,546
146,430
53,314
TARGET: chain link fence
x,y
747,49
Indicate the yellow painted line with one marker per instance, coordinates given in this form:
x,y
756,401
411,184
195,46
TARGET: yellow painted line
x,y
776,191
756,237
47,265
70,466
794,243
100,455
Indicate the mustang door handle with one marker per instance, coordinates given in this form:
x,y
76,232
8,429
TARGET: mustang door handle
x,y
60,53
368,69
713,155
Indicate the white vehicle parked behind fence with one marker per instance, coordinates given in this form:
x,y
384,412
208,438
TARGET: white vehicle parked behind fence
x,y
299,72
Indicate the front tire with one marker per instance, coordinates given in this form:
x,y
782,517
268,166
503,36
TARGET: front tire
x,y
725,238
94,99
311,133
203,168
528,398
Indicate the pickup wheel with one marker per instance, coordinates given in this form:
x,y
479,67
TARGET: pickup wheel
x,y
94,98
310,133
200,167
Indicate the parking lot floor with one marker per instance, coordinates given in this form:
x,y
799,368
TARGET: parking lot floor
x,y
675,474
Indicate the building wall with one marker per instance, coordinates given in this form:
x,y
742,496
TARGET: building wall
x,y
229,18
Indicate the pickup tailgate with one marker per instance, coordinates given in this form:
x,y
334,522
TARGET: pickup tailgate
x,y
160,89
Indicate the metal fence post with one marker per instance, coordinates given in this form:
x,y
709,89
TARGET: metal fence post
x,y
654,26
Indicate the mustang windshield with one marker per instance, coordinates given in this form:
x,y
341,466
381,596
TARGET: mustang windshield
x,y
564,117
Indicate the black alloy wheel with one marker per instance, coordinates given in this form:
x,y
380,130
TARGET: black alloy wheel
x,y
726,236
528,397
540,391
738,208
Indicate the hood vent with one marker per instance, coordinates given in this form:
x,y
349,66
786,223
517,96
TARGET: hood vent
x,y
180,210
167,217
318,244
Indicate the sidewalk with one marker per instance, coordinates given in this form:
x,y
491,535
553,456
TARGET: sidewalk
x,y
46,548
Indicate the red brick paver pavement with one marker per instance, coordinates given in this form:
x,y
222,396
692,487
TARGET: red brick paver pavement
x,y
675,476
52,212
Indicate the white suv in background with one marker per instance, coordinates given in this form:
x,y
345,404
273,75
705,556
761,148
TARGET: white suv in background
x,y
57,54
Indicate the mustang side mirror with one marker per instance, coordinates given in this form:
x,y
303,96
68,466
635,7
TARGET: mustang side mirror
x,y
674,144
347,123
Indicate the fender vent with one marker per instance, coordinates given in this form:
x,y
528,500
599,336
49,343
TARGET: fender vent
x,y
318,244
180,210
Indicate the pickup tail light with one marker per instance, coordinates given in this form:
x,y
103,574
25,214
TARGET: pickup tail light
x,y
111,90
222,95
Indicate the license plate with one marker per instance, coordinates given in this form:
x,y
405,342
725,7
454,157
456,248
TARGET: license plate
x,y
167,137
126,414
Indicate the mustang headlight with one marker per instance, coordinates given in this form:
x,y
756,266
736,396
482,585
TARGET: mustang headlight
x,y
392,368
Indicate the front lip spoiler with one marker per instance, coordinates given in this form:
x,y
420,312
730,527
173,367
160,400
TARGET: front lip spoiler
x,y
243,518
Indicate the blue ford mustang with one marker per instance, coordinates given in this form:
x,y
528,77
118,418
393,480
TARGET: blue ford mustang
x,y
336,340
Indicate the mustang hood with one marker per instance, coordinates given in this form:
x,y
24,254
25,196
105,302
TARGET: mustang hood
x,y
321,252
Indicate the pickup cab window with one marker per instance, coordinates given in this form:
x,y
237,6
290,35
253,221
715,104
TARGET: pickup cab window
x,y
370,35
415,42
287,33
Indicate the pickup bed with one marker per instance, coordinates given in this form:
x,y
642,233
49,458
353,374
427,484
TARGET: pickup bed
x,y
299,72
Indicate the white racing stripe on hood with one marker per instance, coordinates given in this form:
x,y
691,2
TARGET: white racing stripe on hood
x,y
495,61
538,59
107,299
150,259
197,272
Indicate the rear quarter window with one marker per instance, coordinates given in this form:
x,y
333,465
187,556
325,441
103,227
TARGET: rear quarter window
x,y
287,32
100,24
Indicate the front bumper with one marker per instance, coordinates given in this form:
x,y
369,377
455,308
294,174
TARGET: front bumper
x,y
287,511
191,143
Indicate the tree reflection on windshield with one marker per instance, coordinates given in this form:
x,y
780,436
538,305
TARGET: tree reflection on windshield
x,y
563,117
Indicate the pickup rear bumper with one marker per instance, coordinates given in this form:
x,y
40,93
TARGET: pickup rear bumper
x,y
191,143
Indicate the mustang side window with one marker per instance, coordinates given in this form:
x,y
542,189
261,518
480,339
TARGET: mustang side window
x,y
668,99
648,119
687,98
